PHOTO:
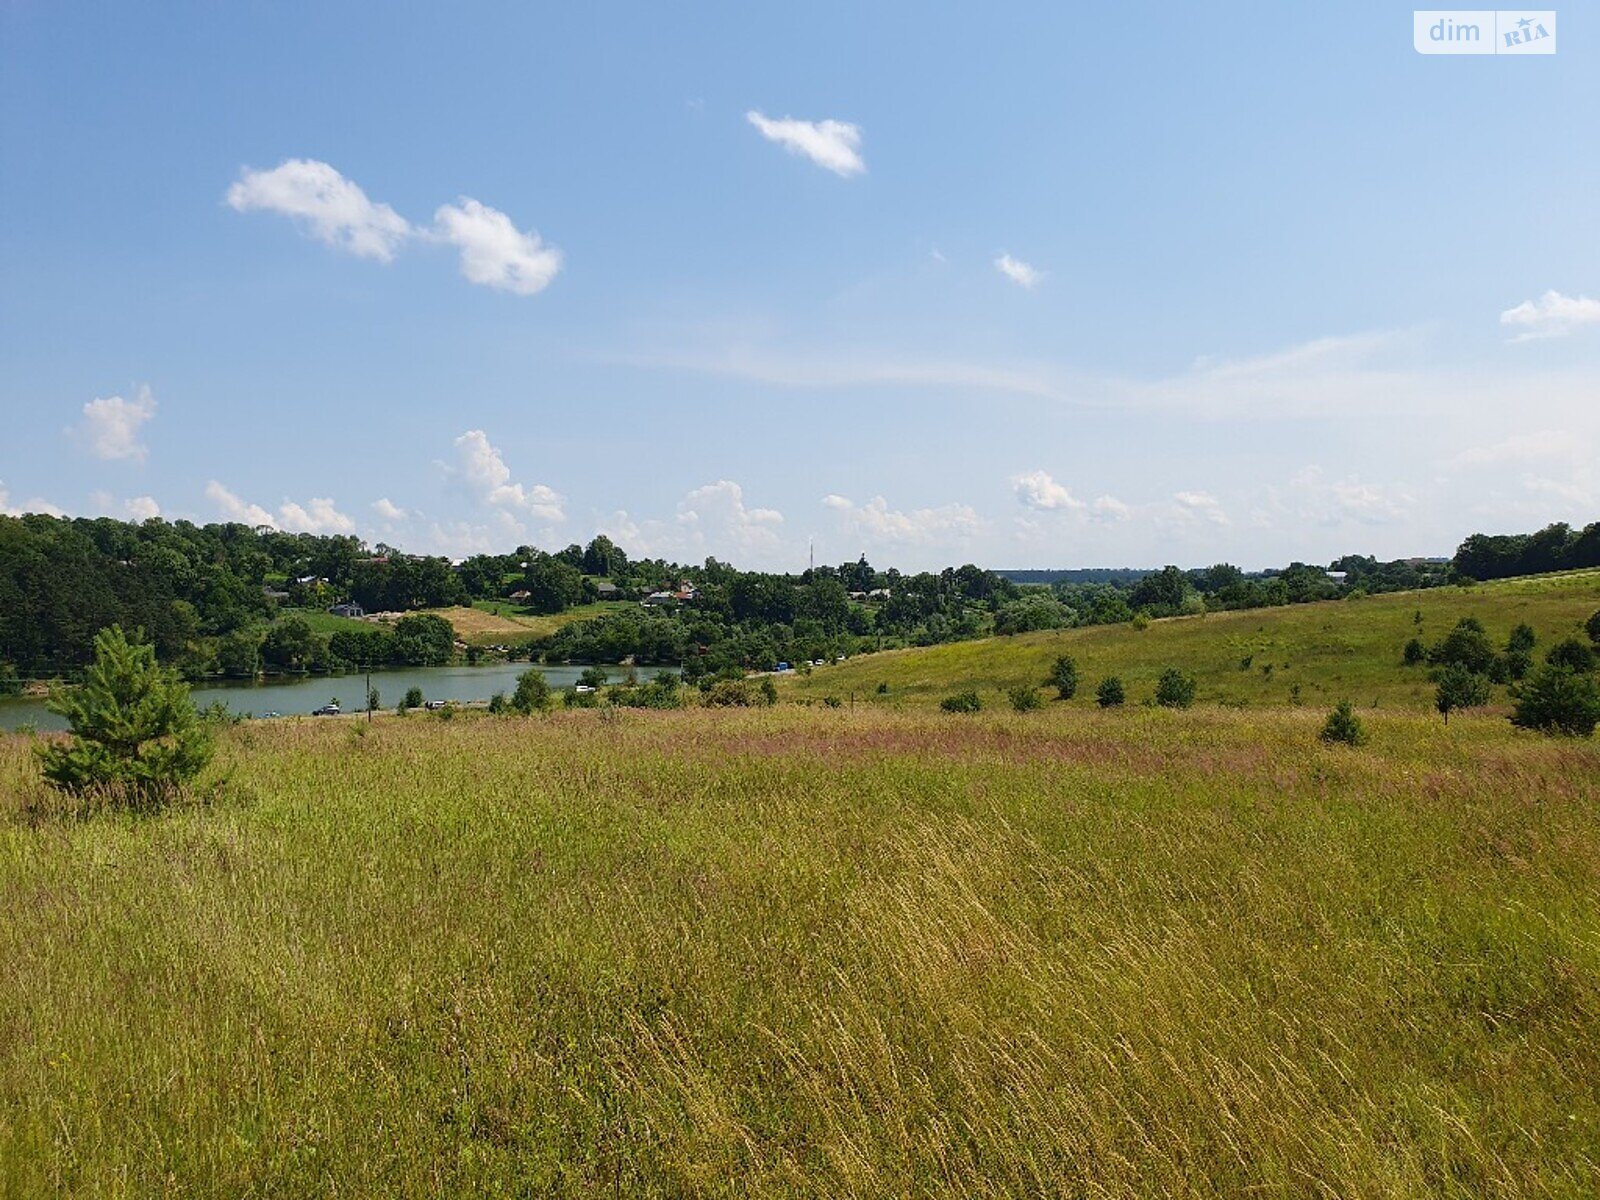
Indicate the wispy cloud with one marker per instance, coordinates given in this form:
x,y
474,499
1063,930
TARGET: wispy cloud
x,y
833,145
110,426
1020,273
1551,315
328,206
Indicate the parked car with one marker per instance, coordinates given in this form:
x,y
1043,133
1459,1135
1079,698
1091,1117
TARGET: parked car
x,y
327,710
434,705
583,689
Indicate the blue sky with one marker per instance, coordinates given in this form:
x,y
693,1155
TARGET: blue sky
x,y
1047,286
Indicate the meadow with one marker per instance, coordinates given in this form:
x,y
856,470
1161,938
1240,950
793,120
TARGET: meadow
x,y
873,950
1312,654
809,951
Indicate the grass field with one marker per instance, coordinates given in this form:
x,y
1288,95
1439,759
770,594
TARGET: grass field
x,y
802,951
489,622
1343,649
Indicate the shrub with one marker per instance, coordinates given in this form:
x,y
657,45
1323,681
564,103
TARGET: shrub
x,y
1592,627
1460,688
497,703
1140,622
532,694
1025,698
729,693
374,702
1064,677
883,689
1572,654
832,702
573,699
1415,652
135,732
1522,638
1557,700
594,677
1110,693
1343,726
962,702
1175,689
769,691
413,699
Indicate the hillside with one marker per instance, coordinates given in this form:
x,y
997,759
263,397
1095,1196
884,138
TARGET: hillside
x,y
1331,650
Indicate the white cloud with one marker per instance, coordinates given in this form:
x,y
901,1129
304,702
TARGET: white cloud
x,y
388,510
1551,315
110,426
1200,506
234,509
833,145
35,505
715,515
1037,490
1522,447
877,522
1020,273
329,206
1109,509
485,475
494,252
141,508
318,515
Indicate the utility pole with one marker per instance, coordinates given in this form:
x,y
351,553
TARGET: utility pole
x,y
369,696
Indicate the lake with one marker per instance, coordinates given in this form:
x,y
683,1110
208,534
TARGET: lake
x,y
298,696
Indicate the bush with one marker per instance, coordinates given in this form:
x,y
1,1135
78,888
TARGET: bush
x,y
1467,645
1557,700
594,677
1343,726
532,694
573,699
769,691
962,702
135,732
1573,655
497,703
1415,652
730,693
1025,698
883,689
1175,689
1064,677
1592,627
832,702
413,699
1522,638
1460,688
1110,694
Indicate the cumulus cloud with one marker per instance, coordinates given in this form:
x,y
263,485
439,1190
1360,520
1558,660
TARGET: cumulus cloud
x,y
483,472
318,515
388,509
1551,315
494,252
1020,273
110,426
832,145
35,505
876,522
141,508
716,514
1110,509
1037,490
330,207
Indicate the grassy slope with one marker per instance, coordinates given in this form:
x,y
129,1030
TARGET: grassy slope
x,y
802,951
489,622
1334,650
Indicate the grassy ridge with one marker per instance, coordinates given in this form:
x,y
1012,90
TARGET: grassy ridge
x,y
815,952
489,622
1331,650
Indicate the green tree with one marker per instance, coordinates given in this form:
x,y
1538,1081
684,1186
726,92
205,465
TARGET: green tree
x,y
1110,693
423,640
1175,689
1460,687
290,645
554,584
1557,700
10,681
1522,638
1343,726
1572,654
135,732
532,694
1415,652
1592,627
594,677
1466,645
769,691
239,654
373,701
1064,677
412,699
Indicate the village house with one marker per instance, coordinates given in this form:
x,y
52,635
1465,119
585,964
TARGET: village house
x,y
348,609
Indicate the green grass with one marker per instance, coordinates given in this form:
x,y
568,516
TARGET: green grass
x,y
1343,649
324,622
500,622
816,952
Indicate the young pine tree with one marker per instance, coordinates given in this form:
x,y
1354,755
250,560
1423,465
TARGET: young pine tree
x,y
135,732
